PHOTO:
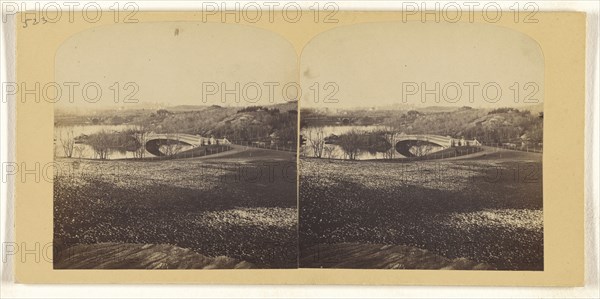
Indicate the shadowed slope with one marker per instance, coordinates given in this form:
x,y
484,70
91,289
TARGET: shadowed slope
x,y
140,256
377,256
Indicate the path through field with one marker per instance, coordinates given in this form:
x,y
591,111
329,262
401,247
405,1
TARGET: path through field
x,y
240,154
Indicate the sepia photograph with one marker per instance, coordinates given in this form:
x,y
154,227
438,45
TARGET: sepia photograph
x,y
184,169
429,154
307,145
414,156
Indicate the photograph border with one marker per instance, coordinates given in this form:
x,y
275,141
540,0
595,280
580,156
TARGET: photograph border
x,y
561,35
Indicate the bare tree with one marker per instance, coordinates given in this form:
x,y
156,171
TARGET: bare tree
x,y
67,142
80,151
304,151
389,136
316,141
172,146
101,144
329,151
422,148
140,138
350,144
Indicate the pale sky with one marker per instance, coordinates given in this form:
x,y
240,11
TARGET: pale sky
x,y
366,65
370,62
169,61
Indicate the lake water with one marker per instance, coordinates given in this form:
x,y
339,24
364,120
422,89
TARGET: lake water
x,y
338,153
83,150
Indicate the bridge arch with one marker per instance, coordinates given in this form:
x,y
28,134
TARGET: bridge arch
x,y
153,146
403,143
403,147
154,141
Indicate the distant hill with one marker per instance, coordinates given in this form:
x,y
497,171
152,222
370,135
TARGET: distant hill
x,y
434,109
285,107
534,109
276,121
187,107
487,125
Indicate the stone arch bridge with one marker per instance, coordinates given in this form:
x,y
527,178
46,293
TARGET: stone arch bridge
x,y
403,143
154,141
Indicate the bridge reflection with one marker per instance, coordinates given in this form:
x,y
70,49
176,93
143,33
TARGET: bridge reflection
x,y
404,143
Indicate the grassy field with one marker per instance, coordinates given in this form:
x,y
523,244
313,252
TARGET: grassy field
x,y
487,209
242,208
